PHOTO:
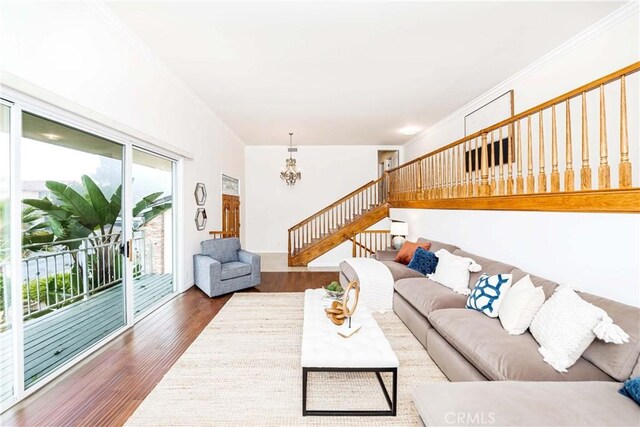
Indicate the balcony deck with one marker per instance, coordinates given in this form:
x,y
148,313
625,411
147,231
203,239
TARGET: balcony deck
x,y
54,338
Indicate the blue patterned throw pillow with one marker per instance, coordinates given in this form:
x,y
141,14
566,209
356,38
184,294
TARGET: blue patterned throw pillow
x,y
423,261
489,293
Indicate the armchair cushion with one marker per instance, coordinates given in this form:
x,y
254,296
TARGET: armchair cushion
x,y
223,250
234,269
254,261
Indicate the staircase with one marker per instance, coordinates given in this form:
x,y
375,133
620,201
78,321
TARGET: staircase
x,y
339,222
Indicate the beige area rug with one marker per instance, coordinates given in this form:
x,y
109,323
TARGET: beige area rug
x,y
244,369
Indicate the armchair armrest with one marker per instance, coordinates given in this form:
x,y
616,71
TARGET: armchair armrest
x,y
386,255
206,272
254,261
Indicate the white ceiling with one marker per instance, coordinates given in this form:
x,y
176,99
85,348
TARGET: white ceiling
x,y
347,72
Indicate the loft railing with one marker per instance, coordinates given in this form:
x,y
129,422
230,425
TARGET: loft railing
x,y
70,271
524,155
337,215
368,242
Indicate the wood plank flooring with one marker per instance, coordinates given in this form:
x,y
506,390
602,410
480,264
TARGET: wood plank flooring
x,y
105,389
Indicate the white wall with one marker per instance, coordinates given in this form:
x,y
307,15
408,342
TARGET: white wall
x,y
599,253
328,173
78,52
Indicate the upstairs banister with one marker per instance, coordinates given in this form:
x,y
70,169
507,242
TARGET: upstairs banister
x,y
616,75
474,166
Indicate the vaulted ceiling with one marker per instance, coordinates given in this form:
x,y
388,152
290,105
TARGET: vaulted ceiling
x,y
347,72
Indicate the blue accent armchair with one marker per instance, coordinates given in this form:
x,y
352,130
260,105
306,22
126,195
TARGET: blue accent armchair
x,y
223,267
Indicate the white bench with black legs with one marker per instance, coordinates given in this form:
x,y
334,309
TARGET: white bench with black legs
x,y
323,350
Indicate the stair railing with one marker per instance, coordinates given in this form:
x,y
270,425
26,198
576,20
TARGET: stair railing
x,y
338,214
524,154
368,242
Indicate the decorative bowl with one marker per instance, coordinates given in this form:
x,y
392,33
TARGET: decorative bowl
x,y
334,294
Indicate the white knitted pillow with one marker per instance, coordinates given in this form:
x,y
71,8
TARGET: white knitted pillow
x,y
566,325
452,271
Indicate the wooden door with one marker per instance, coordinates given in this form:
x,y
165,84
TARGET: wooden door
x,y
231,215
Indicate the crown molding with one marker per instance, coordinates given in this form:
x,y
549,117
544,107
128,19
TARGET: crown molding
x,y
102,10
622,13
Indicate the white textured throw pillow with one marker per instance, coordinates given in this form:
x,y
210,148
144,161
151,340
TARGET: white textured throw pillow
x,y
566,325
520,306
452,271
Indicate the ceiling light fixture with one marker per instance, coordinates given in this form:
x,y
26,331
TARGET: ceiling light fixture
x,y
410,130
290,173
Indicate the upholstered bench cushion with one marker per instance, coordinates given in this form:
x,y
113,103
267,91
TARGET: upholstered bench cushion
x,y
231,270
584,403
500,356
425,295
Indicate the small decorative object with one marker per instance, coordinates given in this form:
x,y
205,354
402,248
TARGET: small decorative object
x,y
334,290
200,194
339,310
399,231
290,173
201,219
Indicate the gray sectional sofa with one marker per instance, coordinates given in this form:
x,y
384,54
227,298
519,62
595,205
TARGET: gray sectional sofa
x,y
470,346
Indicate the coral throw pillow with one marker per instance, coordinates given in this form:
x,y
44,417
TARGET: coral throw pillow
x,y
408,249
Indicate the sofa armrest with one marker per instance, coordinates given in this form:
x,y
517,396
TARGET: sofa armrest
x,y
206,272
254,261
386,255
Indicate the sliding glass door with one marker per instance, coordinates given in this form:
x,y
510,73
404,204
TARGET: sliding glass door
x,y
153,218
87,239
7,329
73,272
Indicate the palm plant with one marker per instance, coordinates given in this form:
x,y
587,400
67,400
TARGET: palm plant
x,y
74,216
71,218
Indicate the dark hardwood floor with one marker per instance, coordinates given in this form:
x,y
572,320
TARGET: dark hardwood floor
x,y
106,388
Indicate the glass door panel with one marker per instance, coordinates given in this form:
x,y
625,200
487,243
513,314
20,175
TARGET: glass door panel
x,y
6,328
72,232
153,243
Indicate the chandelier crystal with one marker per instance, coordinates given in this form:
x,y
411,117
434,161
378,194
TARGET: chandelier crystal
x,y
290,173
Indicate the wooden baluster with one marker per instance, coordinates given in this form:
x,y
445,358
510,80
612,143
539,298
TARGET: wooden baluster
x,y
542,176
476,172
463,186
555,173
430,174
501,184
485,188
585,171
491,157
569,178
467,162
519,178
510,160
440,176
531,183
451,176
604,171
624,169
445,160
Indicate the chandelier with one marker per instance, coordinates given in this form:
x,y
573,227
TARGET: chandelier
x,y
290,173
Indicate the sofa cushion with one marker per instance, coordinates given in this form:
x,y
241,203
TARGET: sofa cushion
x,y
231,270
436,246
500,356
222,250
400,271
489,267
617,360
524,404
425,295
